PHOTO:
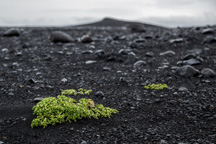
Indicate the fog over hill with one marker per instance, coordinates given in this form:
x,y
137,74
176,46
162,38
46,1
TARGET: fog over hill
x,y
167,13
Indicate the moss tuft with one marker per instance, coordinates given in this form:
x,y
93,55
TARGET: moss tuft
x,y
156,86
52,110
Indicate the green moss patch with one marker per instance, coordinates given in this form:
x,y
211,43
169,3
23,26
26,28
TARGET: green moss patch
x,y
156,86
60,109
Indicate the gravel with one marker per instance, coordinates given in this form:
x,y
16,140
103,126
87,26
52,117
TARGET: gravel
x,y
116,68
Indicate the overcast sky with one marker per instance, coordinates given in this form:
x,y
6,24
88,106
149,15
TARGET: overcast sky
x,y
171,13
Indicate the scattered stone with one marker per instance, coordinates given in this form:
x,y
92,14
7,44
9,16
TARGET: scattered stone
x,y
122,37
175,93
208,31
99,94
163,67
92,47
137,28
131,58
133,45
18,53
206,49
87,52
163,142
86,39
38,99
64,80
47,58
139,63
187,71
191,62
189,56
15,64
5,50
207,72
113,57
100,53
32,81
140,40
116,37
179,63
25,45
149,54
59,36
148,37
138,98
90,62
12,32
178,40
196,51
152,130
182,89
132,54
60,52
124,51
106,68
11,94
210,40
83,142
169,53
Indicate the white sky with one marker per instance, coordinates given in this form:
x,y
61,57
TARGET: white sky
x,y
71,12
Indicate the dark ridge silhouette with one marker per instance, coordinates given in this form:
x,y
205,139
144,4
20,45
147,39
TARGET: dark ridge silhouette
x,y
119,23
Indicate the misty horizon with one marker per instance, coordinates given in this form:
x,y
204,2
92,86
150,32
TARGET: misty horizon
x,y
166,13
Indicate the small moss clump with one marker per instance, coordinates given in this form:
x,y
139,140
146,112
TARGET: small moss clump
x,y
156,86
52,110
74,92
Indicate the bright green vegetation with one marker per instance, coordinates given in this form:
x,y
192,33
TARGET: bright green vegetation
x,y
156,86
74,92
52,110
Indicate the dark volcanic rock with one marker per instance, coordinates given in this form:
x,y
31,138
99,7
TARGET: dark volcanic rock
x,y
189,56
90,62
210,40
178,40
207,72
139,63
148,37
182,89
87,52
59,36
187,71
196,51
140,40
38,99
106,68
12,32
26,45
208,31
149,54
124,51
113,57
191,62
138,28
131,58
133,45
169,53
86,39
100,53
99,94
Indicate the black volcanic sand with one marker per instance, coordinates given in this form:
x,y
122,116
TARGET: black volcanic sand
x,y
32,66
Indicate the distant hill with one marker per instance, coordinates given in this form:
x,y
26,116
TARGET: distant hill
x,y
118,23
